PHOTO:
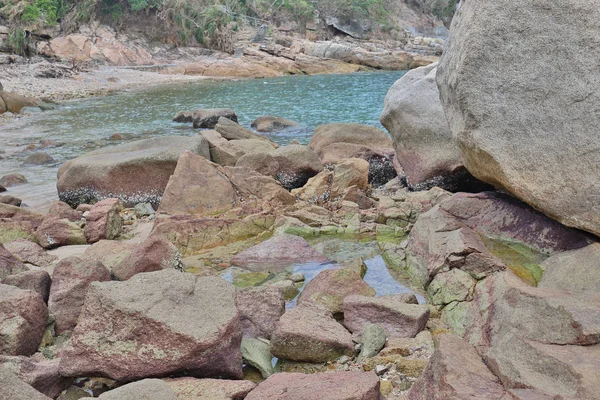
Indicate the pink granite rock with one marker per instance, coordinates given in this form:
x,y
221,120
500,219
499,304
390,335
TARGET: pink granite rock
x,y
103,221
260,309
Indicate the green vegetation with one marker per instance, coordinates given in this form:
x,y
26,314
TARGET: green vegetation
x,y
201,21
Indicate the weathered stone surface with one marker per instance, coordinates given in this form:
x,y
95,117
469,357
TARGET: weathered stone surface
x,y
134,172
186,192
13,388
29,252
364,135
575,316
330,287
62,210
260,309
439,242
270,123
310,334
183,116
153,254
350,172
42,375
104,220
191,233
454,285
36,281
209,389
208,118
348,385
557,371
498,215
147,389
393,313
157,324
277,253
575,271
23,316
227,152
525,137
456,371
297,163
54,232
70,281
111,253
414,116
263,163
9,265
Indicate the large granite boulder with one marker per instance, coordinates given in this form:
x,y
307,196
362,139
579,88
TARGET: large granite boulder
x,y
157,324
414,116
201,187
23,316
37,281
209,117
528,124
348,385
55,232
29,252
260,309
135,172
103,221
70,281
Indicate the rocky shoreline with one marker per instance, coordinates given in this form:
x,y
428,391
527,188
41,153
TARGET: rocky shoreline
x,y
225,266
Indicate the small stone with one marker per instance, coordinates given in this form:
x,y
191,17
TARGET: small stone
x,y
373,340
288,288
143,209
344,360
381,369
385,387
297,277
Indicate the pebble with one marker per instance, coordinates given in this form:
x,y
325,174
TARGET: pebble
x,y
381,369
297,277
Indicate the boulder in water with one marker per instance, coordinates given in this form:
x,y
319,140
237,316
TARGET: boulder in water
x,y
209,117
135,172
270,123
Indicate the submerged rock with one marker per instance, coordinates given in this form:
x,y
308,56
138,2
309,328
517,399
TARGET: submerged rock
x,y
208,118
39,159
277,253
12,180
330,287
270,123
157,324
537,136
134,172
